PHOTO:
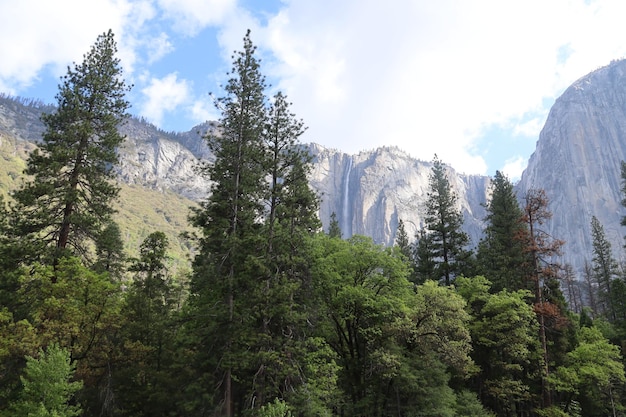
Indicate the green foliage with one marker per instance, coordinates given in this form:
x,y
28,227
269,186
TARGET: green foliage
x,y
402,240
444,222
592,374
605,268
68,199
79,310
47,386
110,255
501,256
468,405
504,333
144,377
278,408
364,294
334,230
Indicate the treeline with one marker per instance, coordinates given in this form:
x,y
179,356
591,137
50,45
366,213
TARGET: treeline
x,y
278,318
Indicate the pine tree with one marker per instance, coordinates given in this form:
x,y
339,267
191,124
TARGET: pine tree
x,y
229,223
68,200
424,263
143,379
402,240
500,253
282,277
110,255
334,230
444,223
604,267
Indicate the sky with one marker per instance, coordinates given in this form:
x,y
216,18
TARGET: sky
x,y
471,81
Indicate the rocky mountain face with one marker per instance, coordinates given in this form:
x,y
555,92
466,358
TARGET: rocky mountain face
x,y
371,191
577,162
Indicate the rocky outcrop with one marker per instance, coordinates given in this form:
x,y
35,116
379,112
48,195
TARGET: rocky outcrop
x,y
371,191
164,161
577,162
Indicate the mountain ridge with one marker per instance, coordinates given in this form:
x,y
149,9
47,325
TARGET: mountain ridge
x,y
576,161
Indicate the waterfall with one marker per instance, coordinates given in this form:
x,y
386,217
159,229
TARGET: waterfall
x,y
346,215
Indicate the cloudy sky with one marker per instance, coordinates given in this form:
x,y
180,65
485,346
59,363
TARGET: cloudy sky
x,y
469,80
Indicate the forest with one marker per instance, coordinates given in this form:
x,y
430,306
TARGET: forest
x,y
277,317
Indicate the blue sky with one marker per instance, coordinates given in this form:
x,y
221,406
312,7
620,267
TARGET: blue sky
x,y
471,81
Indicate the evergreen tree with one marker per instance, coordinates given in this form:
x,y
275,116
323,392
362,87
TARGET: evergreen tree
x,y
334,230
48,388
424,263
604,266
229,223
282,279
143,376
402,240
500,252
68,200
110,255
444,223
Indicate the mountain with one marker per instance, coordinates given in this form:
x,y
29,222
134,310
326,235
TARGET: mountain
x,y
577,162
370,191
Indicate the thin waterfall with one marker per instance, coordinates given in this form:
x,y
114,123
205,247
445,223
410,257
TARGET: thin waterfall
x,y
346,215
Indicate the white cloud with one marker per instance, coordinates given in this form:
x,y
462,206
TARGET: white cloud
x,y
163,95
430,77
514,167
203,110
191,16
44,34
158,46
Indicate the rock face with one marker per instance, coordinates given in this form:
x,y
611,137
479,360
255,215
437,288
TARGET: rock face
x,y
371,191
164,161
577,162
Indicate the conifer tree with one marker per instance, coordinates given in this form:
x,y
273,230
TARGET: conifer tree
x,y
334,230
500,255
424,262
402,240
444,224
142,380
110,255
282,272
604,266
230,228
68,200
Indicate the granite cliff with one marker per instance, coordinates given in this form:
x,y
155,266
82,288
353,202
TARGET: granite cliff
x,y
577,162
371,191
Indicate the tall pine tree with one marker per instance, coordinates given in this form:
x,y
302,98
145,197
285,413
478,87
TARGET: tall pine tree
x,y
67,202
604,266
230,230
500,255
444,223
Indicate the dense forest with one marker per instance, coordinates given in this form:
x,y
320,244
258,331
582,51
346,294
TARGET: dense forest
x,y
277,317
